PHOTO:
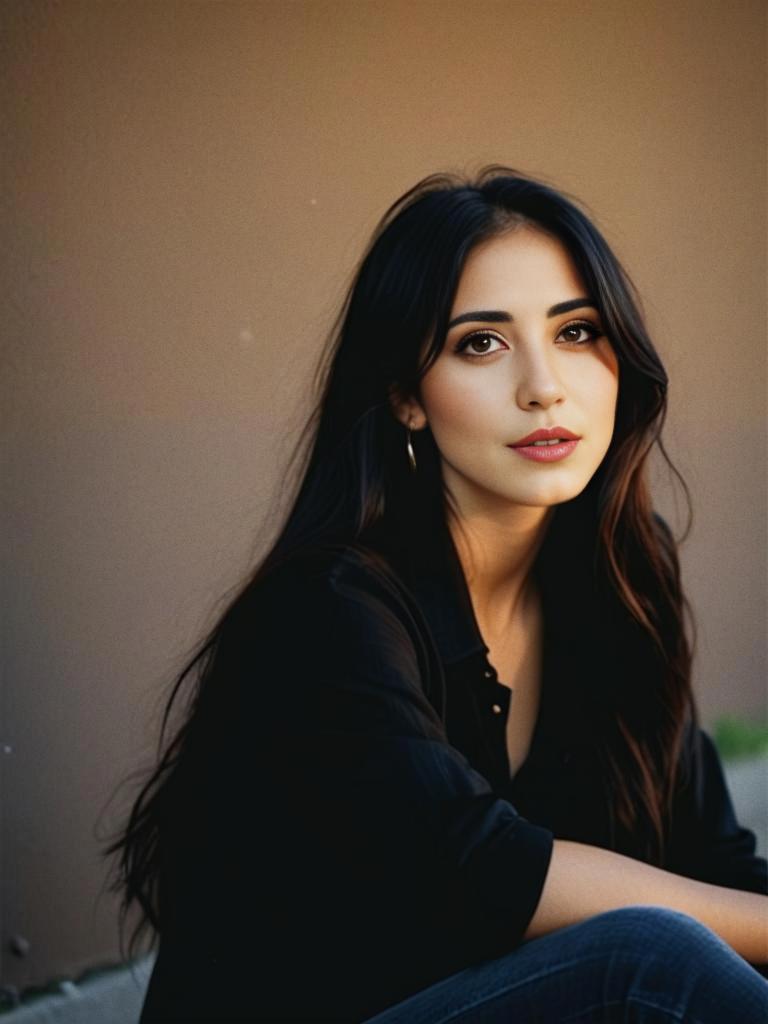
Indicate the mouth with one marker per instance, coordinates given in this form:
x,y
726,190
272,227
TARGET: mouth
x,y
546,436
538,444
547,444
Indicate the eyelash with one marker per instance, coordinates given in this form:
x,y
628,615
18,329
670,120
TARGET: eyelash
x,y
593,331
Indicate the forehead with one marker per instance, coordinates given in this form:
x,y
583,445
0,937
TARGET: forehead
x,y
522,267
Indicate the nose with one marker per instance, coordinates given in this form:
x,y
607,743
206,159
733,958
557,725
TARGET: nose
x,y
538,385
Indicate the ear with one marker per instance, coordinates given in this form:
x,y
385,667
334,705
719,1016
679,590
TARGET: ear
x,y
407,409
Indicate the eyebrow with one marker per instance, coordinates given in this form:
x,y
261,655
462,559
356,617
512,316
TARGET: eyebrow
x,y
500,316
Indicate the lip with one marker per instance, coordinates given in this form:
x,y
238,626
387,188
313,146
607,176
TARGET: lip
x,y
546,434
546,452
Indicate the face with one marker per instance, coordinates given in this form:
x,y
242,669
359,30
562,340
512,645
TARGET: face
x,y
516,360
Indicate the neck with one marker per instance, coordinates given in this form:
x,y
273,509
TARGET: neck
x,y
497,556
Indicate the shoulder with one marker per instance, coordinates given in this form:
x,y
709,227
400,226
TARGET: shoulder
x,y
338,621
325,594
334,576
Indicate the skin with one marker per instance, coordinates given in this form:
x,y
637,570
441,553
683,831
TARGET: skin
x,y
512,378
534,375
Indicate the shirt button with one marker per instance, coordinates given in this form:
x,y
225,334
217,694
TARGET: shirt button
x,y
496,709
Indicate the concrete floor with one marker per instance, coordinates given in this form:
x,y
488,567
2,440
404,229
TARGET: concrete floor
x,y
114,997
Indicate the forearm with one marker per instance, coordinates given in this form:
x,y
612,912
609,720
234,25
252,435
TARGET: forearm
x,y
585,880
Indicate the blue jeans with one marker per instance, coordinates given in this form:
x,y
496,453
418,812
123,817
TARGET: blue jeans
x,y
637,964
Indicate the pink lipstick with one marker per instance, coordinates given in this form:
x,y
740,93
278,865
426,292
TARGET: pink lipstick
x,y
554,444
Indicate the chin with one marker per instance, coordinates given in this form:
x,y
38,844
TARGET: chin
x,y
548,501
547,494
547,491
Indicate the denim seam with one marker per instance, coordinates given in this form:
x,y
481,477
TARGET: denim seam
x,y
638,1000
499,992
654,1006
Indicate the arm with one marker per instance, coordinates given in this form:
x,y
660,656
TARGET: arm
x,y
713,873
398,806
367,783
585,880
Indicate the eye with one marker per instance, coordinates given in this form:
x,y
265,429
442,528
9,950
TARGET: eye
x,y
479,340
571,332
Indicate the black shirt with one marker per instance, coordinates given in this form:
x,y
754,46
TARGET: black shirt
x,y
349,832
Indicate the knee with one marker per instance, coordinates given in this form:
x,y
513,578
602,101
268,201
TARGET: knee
x,y
688,970
652,919
664,933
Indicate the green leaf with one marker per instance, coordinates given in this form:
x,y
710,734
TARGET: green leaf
x,y
736,738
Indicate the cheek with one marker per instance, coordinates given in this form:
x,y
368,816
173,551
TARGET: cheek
x,y
453,406
611,394
599,391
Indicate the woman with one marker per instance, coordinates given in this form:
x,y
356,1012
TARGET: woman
x,y
443,759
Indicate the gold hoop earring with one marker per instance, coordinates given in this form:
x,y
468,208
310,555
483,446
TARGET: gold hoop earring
x,y
409,448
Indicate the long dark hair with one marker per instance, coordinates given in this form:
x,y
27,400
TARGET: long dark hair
x,y
354,477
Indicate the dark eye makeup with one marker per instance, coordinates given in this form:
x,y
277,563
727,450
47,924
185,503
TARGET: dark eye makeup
x,y
475,336
592,331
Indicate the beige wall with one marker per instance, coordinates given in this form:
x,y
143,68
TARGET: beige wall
x,y
189,186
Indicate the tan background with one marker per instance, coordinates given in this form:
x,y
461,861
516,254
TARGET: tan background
x,y
189,186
